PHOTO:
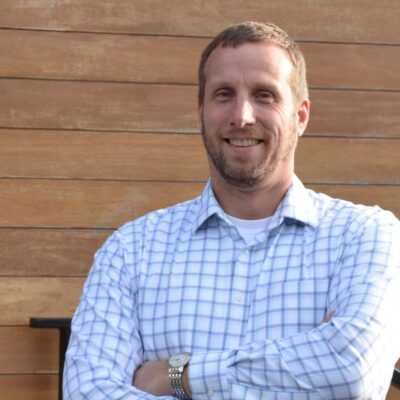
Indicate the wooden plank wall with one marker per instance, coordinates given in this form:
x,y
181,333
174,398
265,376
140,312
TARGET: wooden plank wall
x,y
98,125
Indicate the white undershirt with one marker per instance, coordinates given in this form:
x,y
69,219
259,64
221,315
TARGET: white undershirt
x,y
249,228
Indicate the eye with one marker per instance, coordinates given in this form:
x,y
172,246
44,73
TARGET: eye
x,y
223,95
265,96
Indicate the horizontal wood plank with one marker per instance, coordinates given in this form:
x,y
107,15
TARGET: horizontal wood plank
x,y
84,204
48,252
168,108
335,66
364,114
102,204
108,155
80,56
32,387
102,155
343,160
26,297
92,105
365,21
26,350
100,57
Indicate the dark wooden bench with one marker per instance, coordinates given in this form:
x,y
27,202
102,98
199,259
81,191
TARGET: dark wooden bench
x,y
64,327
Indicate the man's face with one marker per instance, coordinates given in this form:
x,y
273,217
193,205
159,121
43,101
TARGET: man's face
x,y
249,121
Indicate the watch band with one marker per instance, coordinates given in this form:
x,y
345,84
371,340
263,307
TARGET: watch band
x,y
175,379
177,364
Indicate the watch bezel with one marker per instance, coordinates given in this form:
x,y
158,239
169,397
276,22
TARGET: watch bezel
x,y
176,361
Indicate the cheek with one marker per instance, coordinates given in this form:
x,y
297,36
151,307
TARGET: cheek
x,y
211,122
215,114
283,119
271,121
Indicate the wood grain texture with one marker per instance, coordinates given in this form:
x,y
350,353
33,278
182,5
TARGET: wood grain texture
x,y
362,114
141,107
25,350
85,204
87,56
177,157
102,155
32,387
358,20
127,58
343,160
352,66
26,297
93,105
49,252
102,204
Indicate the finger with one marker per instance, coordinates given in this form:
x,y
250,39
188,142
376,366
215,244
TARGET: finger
x,y
329,316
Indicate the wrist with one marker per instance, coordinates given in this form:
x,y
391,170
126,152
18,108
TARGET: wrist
x,y
185,382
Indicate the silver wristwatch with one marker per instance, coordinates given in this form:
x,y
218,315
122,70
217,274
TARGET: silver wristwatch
x,y
176,366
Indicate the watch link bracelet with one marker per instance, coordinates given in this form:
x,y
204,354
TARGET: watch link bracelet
x,y
176,366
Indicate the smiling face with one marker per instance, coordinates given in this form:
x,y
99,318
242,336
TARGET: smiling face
x,y
250,122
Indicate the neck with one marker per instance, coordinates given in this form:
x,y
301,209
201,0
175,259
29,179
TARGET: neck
x,y
251,203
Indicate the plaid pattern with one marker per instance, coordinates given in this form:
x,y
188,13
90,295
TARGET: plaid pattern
x,y
183,279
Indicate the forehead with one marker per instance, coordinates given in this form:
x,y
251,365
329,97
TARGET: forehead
x,y
249,61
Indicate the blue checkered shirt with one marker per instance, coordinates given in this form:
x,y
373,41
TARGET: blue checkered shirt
x,y
252,314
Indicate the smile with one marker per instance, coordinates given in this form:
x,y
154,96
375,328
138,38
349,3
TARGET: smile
x,y
243,142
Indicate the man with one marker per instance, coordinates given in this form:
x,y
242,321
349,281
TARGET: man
x,y
258,288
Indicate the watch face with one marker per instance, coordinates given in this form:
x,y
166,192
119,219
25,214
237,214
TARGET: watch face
x,y
179,360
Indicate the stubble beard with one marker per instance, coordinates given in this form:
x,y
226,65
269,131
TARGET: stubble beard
x,y
247,177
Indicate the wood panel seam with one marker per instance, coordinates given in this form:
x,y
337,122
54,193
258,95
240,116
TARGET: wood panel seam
x,y
200,37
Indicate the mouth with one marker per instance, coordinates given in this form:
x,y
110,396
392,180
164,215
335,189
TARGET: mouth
x,y
243,142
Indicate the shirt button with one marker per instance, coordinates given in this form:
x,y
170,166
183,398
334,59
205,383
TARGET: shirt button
x,y
210,393
239,298
246,252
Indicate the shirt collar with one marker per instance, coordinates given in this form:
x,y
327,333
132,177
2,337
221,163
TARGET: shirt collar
x,y
297,205
208,206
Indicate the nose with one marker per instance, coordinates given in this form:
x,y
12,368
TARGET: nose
x,y
242,114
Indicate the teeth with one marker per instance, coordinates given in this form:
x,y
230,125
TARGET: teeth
x,y
243,142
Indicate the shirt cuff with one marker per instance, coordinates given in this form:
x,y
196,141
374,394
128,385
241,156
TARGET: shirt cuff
x,y
208,377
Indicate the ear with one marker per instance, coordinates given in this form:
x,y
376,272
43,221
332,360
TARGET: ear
x,y
303,114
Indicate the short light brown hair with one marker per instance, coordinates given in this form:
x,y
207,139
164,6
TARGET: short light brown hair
x,y
246,32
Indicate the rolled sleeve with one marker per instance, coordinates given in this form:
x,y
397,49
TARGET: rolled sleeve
x,y
208,375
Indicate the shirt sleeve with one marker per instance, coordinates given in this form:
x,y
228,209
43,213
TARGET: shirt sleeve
x,y
105,346
349,357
